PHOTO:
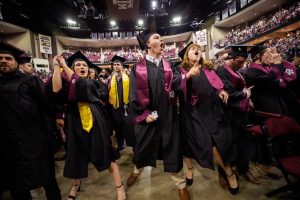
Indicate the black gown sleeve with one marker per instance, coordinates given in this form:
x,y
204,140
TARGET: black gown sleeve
x,y
261,80
59,97
234,94
38,92
103,90
176,82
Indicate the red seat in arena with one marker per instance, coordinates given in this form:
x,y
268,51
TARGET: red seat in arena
x,y
291,165
274,126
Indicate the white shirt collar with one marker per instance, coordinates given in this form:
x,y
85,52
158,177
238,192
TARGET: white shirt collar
x,y
155,61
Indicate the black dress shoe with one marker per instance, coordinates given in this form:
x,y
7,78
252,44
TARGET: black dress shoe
x,y
234,191
189,182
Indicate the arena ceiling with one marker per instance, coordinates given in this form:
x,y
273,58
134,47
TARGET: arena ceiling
x,y
50,16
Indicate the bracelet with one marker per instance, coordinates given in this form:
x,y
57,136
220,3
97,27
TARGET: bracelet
x,y
56,64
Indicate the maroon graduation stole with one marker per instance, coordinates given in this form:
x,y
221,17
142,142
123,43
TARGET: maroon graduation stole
x,y
260,67
235,78
142,87
239,82
212,78
290,72
267,71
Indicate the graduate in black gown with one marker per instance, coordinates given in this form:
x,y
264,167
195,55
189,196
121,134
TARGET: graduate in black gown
x,y
268,89
88,136
206,130
25,152
154,110
287,72
118,87
296,63
267,95
238,107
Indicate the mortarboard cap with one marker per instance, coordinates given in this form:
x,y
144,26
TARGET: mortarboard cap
x,y
144,36
238,50
79,56
126,66
10,49
257,49
182,52
96,68
24,58
118,59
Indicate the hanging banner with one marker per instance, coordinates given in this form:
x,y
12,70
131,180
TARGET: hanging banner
x,y
45,44
201,37
123,9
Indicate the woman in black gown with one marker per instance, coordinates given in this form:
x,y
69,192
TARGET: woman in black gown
x,y
88,136
206,131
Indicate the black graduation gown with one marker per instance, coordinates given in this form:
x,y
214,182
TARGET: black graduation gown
x,y
291,94
237,114
267,92
204,124
159,139
94,146
122,124
236,108
24,148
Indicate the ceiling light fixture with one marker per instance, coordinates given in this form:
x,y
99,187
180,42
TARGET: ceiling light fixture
x,y
113,23
177,19
140,22
70,21
154,5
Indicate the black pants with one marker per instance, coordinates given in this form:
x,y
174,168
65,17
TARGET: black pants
x,y
51,188
243,140
119,130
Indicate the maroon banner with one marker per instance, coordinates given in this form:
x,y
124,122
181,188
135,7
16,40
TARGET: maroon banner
x,y
123,9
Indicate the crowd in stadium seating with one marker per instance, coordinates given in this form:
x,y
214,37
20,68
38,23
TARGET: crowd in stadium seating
x,y
91,55
286,45
131,54
43,74
260,26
